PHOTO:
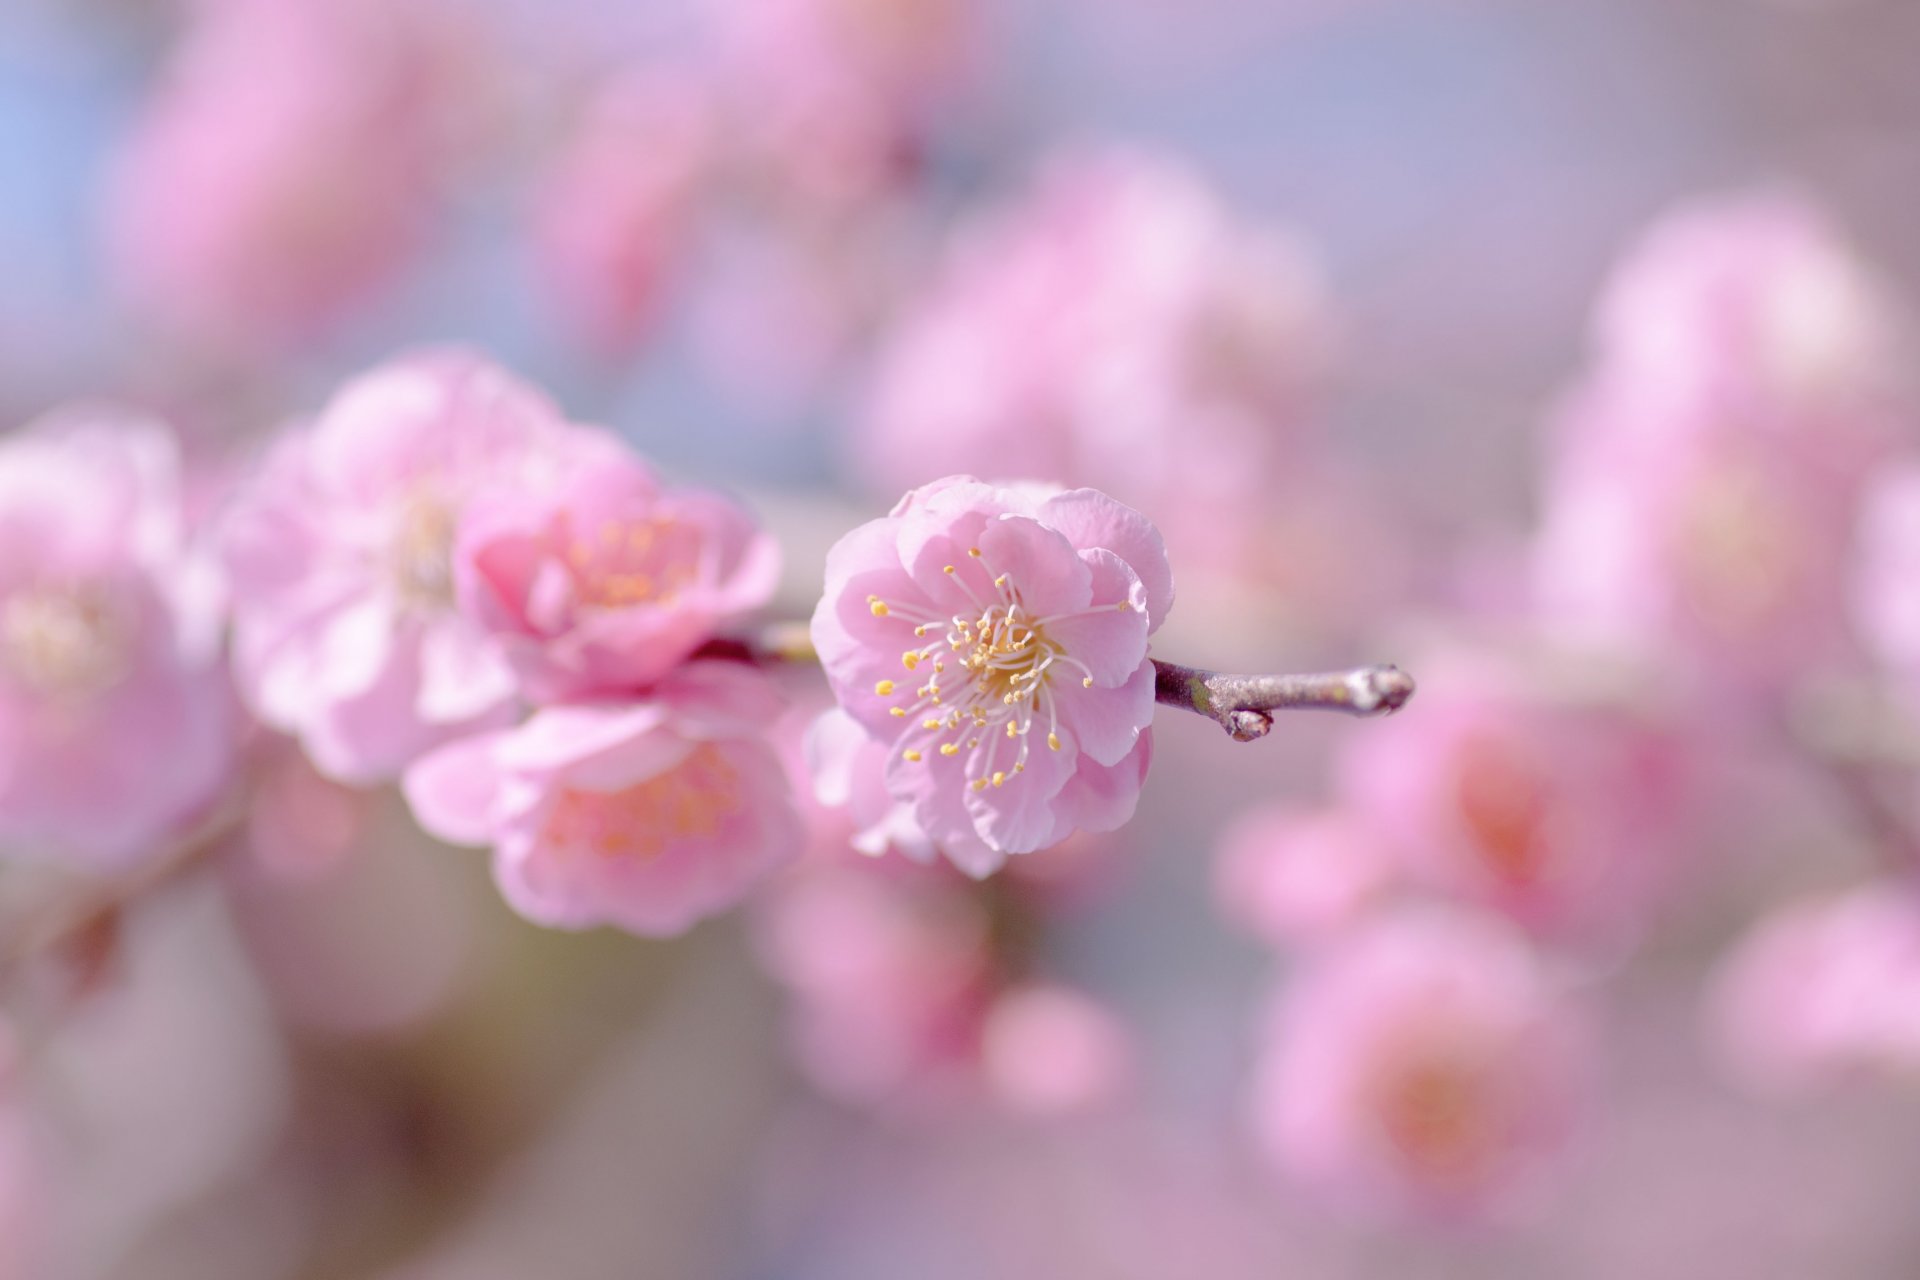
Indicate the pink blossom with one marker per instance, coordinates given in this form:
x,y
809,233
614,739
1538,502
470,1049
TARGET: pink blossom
x,y
115,714
650,814
1573,821
1823,991
604,583
1758,303
1426,1063
890,980
1290,877
1886,579
286,167
1119,326
1026,613
1701,497
345,626
1051,1050
848,769
617,212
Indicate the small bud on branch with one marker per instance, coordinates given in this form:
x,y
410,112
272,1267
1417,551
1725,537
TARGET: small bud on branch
x,y
1243,705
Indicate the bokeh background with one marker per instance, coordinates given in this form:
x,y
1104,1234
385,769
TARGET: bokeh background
x,y
329,1050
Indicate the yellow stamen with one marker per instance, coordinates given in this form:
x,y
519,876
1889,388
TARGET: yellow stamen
x,y
949,748
884,688
880,609
1053,741
913,757
910,659
899,713
999,779
979,784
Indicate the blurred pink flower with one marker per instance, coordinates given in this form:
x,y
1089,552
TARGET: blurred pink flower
x,y
1119,327
890,981
1701,498
604,583
1573,821
1425,1064
115,710
1886,580
1824,991
1293,878
1026,612
1757,303
616,213
1051,1050
340,549
288,164
651,814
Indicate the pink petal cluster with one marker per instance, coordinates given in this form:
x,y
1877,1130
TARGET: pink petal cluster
x,y
1824,991
1427,1063
346,627
650,813
995,640
1701,500
1573,821
286,167
610,579
115,714
618,210
1120,327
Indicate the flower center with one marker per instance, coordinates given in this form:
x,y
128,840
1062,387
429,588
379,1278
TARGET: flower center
x,y
1434,1110
990,679
690,802
630,562
420,555
68,641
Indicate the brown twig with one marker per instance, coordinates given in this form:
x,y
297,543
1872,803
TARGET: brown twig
x,y
1244,705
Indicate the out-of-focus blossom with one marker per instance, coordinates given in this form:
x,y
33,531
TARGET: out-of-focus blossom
x,y
341,553
1700,504
603,584
618,211
1825,991
286,168
1425,1064
1573,821
651,815
1026,614
1293,878
889,982
1119,328
1051,1050
832,99
1886,580
1757,303
115,713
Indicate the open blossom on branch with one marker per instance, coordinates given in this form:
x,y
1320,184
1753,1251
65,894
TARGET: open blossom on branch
x,y
340,549
650,814
115,714
1426,1063
602,584
995,639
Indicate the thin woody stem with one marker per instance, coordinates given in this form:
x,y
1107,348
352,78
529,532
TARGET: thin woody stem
x,y
1244,705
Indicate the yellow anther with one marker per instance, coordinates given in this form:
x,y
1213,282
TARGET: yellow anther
x,y
930,723
999,779
880,609
979,784
1087,683
1011,731
1124,606
912,757
949,748
1020,768
884,688
910,659
899,712
949,569
974,552
973,742
1053,741
1000,581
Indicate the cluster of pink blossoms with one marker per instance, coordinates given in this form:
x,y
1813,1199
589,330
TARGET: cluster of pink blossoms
x,y
440,550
